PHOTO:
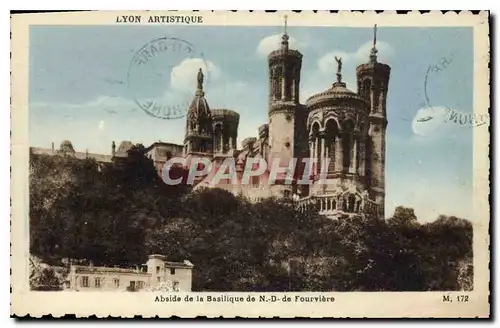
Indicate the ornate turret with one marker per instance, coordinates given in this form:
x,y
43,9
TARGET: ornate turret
x,y
225,126
287,117
284,73
373,81
199,129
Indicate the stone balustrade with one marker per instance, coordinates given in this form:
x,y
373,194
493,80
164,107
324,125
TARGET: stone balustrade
x,y
333,205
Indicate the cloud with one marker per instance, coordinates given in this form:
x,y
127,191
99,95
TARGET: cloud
x,y
118,118
273,42
384,55
430,122
324,75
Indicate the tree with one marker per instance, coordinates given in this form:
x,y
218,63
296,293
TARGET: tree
x,y
403,216
82,209
117,214
43,278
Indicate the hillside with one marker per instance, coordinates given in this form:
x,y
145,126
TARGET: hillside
x,y
117,215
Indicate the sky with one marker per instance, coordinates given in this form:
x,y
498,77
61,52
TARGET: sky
x,y
85,83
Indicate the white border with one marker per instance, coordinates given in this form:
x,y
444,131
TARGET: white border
x,y
146,4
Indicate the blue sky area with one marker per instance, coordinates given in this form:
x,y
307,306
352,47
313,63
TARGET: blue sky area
x,y
80,78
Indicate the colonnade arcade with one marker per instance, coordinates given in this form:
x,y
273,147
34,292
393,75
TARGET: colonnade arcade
x,y
342,146
223,141
346,202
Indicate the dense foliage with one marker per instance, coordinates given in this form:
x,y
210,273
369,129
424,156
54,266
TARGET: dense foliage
x,y
118,214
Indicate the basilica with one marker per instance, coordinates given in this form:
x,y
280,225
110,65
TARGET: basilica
x,y
342,130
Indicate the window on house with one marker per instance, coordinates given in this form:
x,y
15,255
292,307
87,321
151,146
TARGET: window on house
x,y
157,270
286,193
97,282
158,279
172,270
176,286
85,281
132,285
140,284
116,282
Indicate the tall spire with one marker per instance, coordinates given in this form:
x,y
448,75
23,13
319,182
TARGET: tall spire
x,y
199,89
373,54
286,21
284,38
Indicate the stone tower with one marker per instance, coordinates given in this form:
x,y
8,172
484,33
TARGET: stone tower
x,y
287,118
337,135
225,129
373,82
198,141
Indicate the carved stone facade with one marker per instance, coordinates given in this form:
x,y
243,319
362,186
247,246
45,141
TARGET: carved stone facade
x,y
343,131
199,128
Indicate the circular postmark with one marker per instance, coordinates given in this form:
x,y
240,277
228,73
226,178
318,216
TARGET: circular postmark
x,y
161,76
446,113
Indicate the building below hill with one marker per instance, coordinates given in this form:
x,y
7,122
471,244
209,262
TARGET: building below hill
x,y
158,151
156,271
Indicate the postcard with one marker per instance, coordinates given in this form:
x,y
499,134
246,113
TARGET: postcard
x,y
250,164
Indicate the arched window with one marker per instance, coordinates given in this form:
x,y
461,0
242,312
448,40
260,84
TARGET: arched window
x,y
274,78
287,83
202,147
347,143
346,150
351,203
265,148
331,133
279,82
218,137
366,89
315,147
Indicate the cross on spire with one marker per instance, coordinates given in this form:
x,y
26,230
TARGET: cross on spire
x,y
373,54
286,21
284,38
